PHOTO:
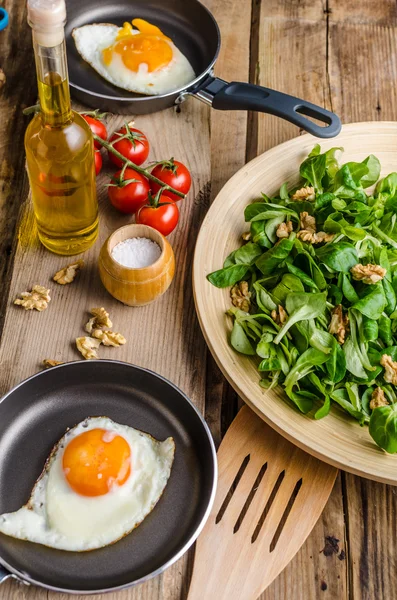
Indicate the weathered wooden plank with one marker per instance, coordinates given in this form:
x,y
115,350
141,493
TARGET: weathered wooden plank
x,y
363,11
363,72
292,58
228,148
16,60
371,525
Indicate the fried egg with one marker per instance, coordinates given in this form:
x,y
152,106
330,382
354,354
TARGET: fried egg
x,y
141,60
100,481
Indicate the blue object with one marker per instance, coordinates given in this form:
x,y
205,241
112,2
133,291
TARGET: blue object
x,y
3,18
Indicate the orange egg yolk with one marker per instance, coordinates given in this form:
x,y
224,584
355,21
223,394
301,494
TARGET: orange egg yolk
x,y
149,46
96,460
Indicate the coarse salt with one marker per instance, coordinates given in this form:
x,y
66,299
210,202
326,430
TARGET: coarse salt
x,y
136,252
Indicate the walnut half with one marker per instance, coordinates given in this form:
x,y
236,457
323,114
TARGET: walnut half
x,y
390,367
369,274
241,296
37,299
305,193
284,229
68,273
308,232
378,399
88,347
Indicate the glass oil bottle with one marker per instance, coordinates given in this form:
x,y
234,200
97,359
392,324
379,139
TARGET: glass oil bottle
x,y
58,143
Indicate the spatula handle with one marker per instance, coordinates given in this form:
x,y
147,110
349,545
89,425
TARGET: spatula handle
x,y
205,587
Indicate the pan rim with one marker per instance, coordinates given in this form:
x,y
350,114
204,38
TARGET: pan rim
x,y
23,577
177,92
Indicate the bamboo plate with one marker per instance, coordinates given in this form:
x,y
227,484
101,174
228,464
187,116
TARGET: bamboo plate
x,y
337,439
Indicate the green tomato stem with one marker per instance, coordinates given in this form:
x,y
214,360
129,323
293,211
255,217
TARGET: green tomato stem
x,y
132,165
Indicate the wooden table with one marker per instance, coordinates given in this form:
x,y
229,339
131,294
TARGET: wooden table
x,y
337,53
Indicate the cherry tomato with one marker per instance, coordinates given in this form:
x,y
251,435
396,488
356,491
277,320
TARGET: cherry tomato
x,y
98,161
132,144
163,217
96,126
173,173
130,193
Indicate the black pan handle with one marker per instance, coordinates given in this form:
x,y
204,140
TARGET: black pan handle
x,y
246,96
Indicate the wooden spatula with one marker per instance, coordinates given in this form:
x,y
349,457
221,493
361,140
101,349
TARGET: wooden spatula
x,y
270,495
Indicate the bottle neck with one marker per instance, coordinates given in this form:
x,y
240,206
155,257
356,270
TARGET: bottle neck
x,y
52,82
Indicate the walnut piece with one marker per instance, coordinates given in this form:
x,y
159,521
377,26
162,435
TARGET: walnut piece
x,y
48,363
88,347
2,78
279,316
109,338
390,367
100,319
284,229
307,235
307,221
241,295
321,237
68,273
378,399
37,299
339,324
368,273
246,236
308,230
305,193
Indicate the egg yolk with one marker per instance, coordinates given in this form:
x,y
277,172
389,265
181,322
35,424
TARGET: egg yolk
x,y
96,460
149,46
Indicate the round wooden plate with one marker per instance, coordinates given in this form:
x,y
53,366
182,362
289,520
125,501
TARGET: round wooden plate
x,y
336,439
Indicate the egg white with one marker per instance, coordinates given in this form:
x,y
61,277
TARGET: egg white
x,y
58,517
90,40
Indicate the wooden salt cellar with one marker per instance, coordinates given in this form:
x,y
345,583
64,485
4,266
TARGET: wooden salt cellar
x,y
136,287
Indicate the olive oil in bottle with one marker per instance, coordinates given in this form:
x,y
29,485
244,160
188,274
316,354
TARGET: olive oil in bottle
x,y
58,142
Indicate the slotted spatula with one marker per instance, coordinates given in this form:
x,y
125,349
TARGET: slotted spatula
x,y
270,495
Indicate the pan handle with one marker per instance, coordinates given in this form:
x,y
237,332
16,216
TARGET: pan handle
x,y
5,575
245,96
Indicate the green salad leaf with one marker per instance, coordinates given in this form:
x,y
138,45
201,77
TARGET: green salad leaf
x,y
320,291
383,427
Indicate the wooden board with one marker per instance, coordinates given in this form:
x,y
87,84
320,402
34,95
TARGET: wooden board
x,y
337,439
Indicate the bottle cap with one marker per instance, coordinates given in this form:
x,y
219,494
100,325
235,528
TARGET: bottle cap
x,y
3,18
47,18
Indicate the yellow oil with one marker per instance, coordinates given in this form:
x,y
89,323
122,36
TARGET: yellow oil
x,y
60,162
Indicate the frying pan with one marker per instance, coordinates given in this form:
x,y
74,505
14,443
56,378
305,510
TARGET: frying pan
x,y
36,413
195,32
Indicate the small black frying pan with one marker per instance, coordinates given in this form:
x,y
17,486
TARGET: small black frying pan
x,y
195,32
33,417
